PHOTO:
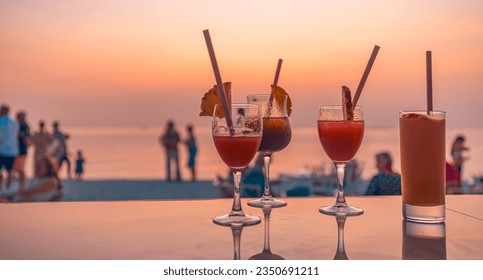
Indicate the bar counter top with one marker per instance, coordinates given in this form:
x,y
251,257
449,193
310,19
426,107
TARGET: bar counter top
x,y
183,229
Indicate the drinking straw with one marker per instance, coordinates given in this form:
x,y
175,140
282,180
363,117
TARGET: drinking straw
x,y
429,83
275,81
365,75
219,82
277,73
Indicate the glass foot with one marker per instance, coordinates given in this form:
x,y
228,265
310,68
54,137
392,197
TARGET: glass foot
x,y
266,255
346,210
272,202
228,220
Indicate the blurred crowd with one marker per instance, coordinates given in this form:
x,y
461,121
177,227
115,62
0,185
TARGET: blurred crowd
x,y
50,154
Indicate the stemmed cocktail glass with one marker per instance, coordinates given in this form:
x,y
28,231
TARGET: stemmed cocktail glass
x,y
340,139
237,145
276,136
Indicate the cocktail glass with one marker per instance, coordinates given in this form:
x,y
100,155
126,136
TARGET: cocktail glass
x,y
276,136
237,145
340,140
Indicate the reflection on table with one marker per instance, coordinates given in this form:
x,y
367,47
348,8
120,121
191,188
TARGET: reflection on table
x,y
183,229
423,241
340,253
266,253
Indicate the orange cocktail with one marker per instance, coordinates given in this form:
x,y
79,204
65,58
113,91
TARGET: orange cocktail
x,y
422,143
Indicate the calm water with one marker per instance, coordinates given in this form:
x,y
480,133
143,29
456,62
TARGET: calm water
x,y
134,153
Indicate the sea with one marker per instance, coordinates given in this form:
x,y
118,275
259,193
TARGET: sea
x,y
135,153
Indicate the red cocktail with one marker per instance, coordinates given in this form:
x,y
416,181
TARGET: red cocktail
x,y
237,151
340,139
237,143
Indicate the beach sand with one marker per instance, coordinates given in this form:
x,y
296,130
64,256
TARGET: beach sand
x,y
97,190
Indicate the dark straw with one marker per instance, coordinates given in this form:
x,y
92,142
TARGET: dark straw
x,y
365,75
429,82
275,81
219,82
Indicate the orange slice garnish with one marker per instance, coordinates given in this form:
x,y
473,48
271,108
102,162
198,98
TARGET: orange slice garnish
x,y
279,94
213,97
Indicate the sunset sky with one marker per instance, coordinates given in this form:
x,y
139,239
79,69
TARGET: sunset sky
x,y
130,63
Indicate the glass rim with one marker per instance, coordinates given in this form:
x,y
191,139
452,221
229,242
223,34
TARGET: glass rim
x,y
425,112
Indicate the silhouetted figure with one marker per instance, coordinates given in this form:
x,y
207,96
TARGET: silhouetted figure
x,y
60,151
41,140
457,150
8,144
24,141
190,143
170,140
386,182
79,165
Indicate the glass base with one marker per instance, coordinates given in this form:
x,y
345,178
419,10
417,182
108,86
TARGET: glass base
x,y
245,220
344,210
266,255
272,202
424,214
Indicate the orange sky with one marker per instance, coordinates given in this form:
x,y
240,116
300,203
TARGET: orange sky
x,y
142,62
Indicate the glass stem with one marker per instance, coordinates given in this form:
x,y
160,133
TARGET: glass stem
x,y
236,229
340,253
266,162
340,181
340,235
266,241
237,208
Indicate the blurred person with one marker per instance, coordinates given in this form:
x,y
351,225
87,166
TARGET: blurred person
x,y
386,182
24,141
457,149
170,140
453,185
60,151
8,144
190,143
42,141
79,165
46,186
